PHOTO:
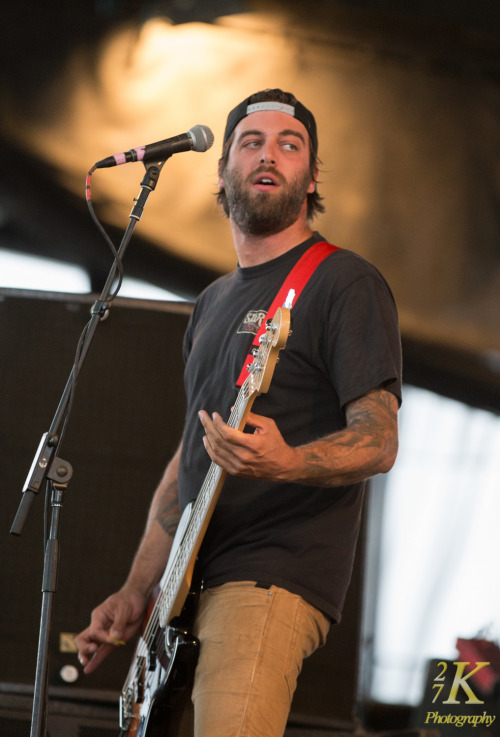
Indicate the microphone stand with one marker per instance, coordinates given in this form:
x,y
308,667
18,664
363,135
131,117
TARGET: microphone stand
x,y
56,472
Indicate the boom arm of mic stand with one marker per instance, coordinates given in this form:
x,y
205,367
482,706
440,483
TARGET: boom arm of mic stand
x,y
48,444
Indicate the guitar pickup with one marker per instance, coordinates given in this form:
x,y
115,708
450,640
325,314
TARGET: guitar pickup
x,y
152,658
139,679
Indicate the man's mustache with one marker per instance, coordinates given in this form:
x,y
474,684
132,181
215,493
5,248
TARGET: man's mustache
x,y
266,170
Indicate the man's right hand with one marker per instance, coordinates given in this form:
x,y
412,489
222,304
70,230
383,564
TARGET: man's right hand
x,y
112,624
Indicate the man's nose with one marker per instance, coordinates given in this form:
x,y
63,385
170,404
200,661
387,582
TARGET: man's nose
x,y
268,153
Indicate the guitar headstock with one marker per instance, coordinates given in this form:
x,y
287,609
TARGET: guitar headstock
x,y
266,355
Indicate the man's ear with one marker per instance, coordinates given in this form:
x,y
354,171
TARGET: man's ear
x,y
314,182
220,178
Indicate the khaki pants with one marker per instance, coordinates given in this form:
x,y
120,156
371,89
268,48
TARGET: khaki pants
x,y
253,642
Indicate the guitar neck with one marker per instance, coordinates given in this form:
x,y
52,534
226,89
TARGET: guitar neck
x,y
176,581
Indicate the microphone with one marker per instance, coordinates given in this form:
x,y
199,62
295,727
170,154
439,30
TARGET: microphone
x,y
199,138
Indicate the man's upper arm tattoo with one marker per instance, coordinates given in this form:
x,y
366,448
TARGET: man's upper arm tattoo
x,y
375,413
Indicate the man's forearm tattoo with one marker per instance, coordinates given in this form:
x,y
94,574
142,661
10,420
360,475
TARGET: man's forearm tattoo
x,y
168,513
370,426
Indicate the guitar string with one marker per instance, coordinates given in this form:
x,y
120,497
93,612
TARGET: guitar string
x,y
146,641
200,505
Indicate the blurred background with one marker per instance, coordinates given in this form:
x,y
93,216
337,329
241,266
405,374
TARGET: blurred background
x,y
407,101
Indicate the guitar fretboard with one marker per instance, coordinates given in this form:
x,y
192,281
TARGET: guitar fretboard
x,y
211,485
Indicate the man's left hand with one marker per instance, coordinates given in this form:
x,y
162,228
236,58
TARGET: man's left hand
x,y
262,454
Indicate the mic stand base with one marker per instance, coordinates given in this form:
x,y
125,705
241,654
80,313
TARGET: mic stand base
x,y
49,588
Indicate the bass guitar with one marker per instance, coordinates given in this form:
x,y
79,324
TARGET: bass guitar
x,y
165,657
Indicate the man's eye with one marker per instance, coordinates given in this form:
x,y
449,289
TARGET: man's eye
x,y
291,146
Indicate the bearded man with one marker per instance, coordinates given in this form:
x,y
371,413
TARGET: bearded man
x,y
277,557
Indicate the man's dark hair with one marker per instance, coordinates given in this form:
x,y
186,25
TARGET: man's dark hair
x,y
314,200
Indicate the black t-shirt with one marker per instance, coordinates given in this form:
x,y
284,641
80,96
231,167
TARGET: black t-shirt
x,y
345,342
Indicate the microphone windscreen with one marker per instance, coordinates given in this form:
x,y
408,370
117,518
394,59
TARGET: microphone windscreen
x,y
202,136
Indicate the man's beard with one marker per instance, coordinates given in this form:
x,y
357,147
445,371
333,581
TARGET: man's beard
x,y
265,213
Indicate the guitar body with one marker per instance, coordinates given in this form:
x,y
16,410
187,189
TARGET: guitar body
x,y
160,677
160,713
165,661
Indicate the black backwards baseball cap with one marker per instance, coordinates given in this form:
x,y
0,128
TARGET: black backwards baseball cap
x,y
297,110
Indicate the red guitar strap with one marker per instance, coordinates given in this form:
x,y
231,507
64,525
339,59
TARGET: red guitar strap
x,y
296,280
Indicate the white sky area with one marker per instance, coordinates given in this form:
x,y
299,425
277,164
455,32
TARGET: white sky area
x,y
22,271
440,565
